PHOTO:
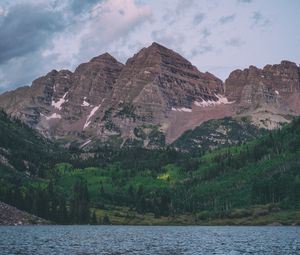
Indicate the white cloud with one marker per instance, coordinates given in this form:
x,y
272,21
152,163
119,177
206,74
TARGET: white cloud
x,y
94,33
2,11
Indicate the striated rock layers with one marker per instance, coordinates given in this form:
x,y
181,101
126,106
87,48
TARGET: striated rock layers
x,y
151,100
269,95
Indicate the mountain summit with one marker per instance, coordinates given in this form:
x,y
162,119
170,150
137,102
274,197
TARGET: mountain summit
x,y
151,100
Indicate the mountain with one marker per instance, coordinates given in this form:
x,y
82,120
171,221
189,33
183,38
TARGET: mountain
x,y
151,100
154,85
269,95
58,104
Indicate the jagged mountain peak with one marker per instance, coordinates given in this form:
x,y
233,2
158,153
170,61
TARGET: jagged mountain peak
x,y
98,64
157,91
105,57
170,73
288,63
156,44
162,53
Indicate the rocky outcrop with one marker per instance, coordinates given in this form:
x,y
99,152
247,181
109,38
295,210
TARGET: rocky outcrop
x,y
218,133
270,95
10,215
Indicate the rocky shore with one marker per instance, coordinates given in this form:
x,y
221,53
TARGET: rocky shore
x,y
12,216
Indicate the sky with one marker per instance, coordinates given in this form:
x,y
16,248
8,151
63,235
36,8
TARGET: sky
x,y
218,36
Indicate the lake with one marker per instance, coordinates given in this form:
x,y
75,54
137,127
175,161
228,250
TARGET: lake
x,y
121,240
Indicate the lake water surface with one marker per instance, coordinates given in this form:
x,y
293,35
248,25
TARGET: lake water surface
x,y
117,240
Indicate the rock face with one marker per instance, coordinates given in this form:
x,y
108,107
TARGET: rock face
x,y
155,83
59,103
151,100
270,95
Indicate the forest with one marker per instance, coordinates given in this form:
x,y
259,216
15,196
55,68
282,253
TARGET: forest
x,y
69,187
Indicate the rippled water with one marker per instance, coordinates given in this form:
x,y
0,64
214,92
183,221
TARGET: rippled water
x,y
117,240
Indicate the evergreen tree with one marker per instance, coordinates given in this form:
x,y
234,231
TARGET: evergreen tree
x,y
80,211
94,220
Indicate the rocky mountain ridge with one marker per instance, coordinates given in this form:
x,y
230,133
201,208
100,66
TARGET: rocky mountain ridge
x,y
268,95
151,100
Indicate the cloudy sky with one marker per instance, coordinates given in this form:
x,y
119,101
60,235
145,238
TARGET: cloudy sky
x,y
219,36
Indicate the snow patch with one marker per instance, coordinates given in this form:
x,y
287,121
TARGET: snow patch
x,y
183,109
53,116
85,103
93,111
208,103
147,72
276,92
59,103
86,143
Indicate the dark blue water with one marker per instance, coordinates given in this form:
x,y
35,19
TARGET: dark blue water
x,y
117,240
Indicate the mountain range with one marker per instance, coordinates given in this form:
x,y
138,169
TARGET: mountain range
x,y
152,100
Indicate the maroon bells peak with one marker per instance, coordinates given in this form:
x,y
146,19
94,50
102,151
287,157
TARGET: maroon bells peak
x,y
151,100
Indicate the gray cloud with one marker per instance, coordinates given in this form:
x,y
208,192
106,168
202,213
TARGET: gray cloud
x,y
198,19
38,37
234,42
206,32
24,30
259,19
111,21
166,38
202,50
172,15
79,6
227,19
183,6
21,71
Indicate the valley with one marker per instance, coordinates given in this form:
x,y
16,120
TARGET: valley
x,y
256,182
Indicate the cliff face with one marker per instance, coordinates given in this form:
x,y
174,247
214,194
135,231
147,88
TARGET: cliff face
x,y
59,103
155,83
269,95
151,100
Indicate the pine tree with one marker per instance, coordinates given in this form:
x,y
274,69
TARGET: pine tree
x,y
80,211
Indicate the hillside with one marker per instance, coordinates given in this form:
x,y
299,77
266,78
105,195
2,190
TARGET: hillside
x,y
218,134
238,184
24,149
254,183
